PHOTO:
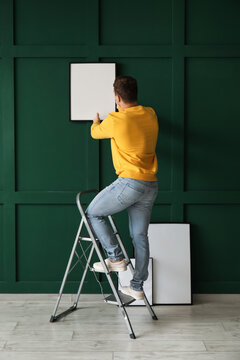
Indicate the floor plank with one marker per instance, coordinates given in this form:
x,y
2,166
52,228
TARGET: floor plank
x,y
7,355
207,330
176,356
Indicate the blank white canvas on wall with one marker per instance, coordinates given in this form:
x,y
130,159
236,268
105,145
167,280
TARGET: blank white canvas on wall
x,y
170,249
91,90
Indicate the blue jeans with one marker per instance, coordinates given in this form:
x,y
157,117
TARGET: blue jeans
x,y
137,196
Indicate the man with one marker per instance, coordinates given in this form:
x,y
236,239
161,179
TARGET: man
x,y
133,131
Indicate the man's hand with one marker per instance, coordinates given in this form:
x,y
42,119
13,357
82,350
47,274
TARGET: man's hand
x,y
96,118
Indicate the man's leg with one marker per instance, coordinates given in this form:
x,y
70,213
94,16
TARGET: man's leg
x,y
108,202
139,218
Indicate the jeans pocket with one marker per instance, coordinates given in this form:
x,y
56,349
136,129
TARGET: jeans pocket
x,y
130,194
136,187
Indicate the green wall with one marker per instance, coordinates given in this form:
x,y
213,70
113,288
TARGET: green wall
x,y
186,58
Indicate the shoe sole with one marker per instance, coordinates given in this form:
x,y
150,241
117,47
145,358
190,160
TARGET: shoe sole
x,y
111,270
130,294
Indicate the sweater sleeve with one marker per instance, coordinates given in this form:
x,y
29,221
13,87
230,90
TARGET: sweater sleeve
x,y
103,130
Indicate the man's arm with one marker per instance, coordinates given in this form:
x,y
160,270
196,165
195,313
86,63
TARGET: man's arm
x,y
103,130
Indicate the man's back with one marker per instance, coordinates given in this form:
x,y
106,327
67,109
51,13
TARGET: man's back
x,y
133,132
137,129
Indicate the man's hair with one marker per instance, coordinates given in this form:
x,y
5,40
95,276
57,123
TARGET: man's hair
x,y
126,87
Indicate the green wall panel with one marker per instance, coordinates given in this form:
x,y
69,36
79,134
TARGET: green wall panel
x,y
50,149
135,22
1,130
50,22
45,235
212,22
161,213
1,245
107,174
189,73
154,89
214,245
212,124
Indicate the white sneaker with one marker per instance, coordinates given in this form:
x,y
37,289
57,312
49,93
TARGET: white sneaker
x,y
112,266
136,294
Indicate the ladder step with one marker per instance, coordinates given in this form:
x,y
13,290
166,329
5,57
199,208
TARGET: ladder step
x,y
86,238
126,299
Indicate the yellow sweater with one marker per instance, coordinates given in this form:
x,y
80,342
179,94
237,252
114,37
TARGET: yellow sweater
x,y
133,134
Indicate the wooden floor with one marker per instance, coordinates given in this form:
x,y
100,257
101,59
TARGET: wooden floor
x,y
207,330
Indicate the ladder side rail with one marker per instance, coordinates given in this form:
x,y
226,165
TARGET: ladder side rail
x,y
99,253
84,218
117,297
83,276
152,313
67,268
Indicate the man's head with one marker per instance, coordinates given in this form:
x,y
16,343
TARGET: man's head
x,y
125,90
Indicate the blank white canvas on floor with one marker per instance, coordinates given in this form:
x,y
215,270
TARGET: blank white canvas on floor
x,y
170,249
126,276
91,90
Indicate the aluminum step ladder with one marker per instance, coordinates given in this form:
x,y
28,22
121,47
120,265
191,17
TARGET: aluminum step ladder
x,y
117,298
